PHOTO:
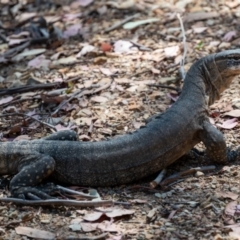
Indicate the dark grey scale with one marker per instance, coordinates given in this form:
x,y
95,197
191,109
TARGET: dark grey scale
x,y
64,135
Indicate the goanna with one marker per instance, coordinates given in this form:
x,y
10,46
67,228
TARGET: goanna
x,y
133,156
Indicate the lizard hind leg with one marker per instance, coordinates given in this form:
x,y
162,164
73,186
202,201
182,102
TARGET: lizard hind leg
x,y
32,170
64,135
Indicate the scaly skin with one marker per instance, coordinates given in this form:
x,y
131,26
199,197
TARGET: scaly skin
x,y
133,156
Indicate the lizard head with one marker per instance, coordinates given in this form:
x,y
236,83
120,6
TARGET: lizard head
x,y
228,67
222,68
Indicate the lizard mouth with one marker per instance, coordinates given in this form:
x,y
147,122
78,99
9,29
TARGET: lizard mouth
x,y
229,60
228,55
233,62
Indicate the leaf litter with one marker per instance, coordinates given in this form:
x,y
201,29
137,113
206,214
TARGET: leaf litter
x,y
82,45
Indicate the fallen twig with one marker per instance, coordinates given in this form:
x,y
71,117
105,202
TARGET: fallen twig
x,y
26,88
182,62
83,237
57,202
178,90
176,176
140,47
27,116
119,24
158,179
67,190
14,51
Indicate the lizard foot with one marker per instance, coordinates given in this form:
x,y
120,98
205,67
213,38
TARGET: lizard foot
x,y
232,155
35,193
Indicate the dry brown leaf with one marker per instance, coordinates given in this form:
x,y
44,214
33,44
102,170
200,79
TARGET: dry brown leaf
x,y
122,46
15,129
72,30
22,137
99,99
232,4
34,233
85,112
171,51
137,125
197,16
24,16
124,4
233,113
156,56
39,62
51,99
91,217
137,201
119,212
135,106
6,100
145,82
231,195
230,208
122,80
106,226
100,60
107,131
88,227
106,71
235,230
86,49
60,127
229,124
71,16
66,60
229,36
199,29
155,71
84,137
83,3
83,121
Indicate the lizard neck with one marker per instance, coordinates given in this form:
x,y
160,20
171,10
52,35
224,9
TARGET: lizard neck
x,y
201,83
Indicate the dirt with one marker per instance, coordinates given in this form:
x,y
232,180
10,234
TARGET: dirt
x,y
117,74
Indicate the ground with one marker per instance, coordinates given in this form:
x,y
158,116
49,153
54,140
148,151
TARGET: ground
x,y
111,79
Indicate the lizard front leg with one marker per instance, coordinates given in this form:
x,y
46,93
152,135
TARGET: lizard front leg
x,y
31,171
214,141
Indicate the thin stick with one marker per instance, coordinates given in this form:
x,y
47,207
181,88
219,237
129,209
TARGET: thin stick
x,y
119,24
182,62
158,179
174,177
25,115
164,86
84,237
57,202
67,190
27,88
